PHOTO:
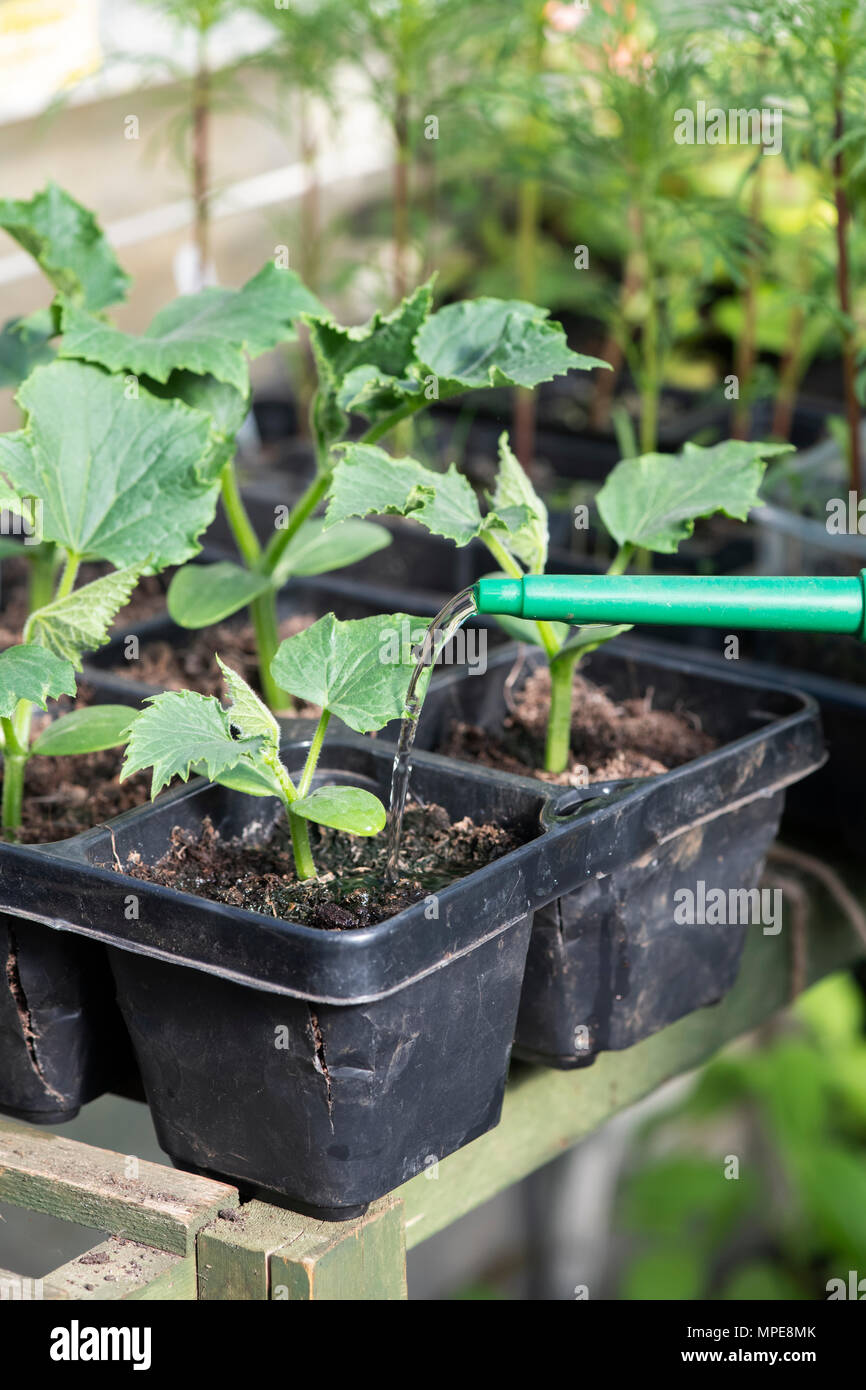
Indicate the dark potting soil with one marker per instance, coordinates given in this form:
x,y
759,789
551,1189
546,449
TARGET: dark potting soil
x,y
611,740
147,601
350,890
63,796
194,667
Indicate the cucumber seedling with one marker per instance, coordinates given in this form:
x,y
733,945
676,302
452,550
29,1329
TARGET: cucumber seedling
x,y
650,502
355,671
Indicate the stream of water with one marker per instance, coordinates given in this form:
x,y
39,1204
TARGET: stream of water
x,y
437,636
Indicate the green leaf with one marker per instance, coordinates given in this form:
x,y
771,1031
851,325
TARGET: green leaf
x,y
653,501
252,779
351,360
315,550
206,333
359,670
68,245
589,639
199,595
119,476
24,344
528,541
248,715
80,622
180,730
665,1274
495,342
85,731
367,481
31,673
344,808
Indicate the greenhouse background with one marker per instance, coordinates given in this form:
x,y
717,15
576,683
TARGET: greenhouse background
x,y
589,158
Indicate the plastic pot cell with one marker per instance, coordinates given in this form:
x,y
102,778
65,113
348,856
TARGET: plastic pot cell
x,y
62,1040
326,1066
608,964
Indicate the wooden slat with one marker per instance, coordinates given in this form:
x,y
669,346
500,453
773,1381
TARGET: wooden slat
x,y
123,1269
161,1207
233,1252
351,1261
546,1112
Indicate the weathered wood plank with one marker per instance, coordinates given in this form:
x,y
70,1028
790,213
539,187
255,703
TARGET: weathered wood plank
x,y
122,1269
546,1112
351,1261
233,1251
160,1206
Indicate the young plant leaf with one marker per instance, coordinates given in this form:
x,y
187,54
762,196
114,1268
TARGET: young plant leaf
x,y
315,550
653,501
199,595
248,714
205,333
350,359
359,670
31,673
495,342
528,540
367,481
344,808
24,344
119,474
180,730
85,731
80,622
68,245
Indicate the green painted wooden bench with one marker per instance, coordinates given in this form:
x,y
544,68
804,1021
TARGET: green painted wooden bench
x,y
172,1235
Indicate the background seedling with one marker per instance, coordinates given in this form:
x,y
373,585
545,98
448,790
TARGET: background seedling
x,y
650,502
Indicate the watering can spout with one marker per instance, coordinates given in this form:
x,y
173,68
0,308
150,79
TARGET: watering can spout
x,y
797,604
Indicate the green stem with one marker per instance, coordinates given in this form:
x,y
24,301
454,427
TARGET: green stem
x,y
69,575
302,509
558,742
313,755
14,763
40,585
299,829
377,432
236,513
620,561
263,613
649,390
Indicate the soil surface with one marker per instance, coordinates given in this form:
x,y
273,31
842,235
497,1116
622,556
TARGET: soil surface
x,y
63,796
611,740
350,891
193,667
147,601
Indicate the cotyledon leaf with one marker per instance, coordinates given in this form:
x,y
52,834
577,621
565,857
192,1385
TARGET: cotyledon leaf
x,y
352,809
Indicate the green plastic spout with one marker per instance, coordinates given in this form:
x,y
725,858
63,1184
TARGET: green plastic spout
x,y
743,601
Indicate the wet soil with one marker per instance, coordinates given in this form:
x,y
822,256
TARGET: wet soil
x,y
611,740
350,891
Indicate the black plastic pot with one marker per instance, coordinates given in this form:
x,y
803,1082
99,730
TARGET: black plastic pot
x,y
607,964
326,1066
62,1040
